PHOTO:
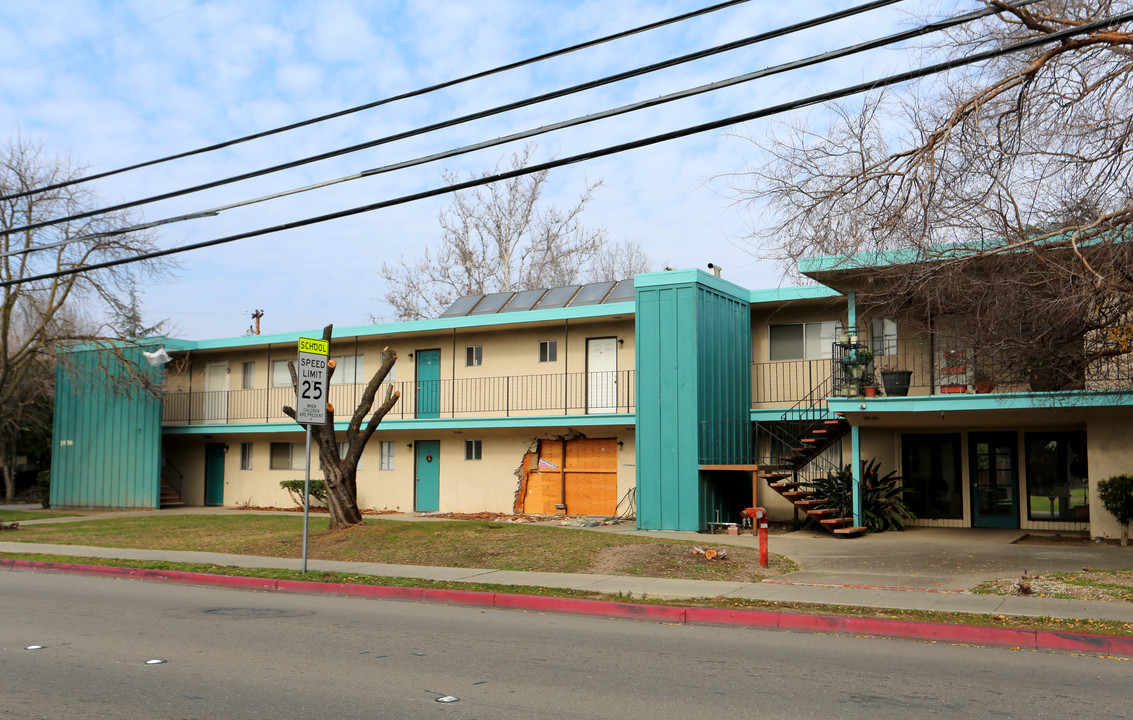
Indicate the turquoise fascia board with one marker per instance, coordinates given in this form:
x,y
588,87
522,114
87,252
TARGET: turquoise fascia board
x,y
789,294
689,277
423,326
985,401
479,423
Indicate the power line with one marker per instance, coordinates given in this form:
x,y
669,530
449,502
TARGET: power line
x,y
574,122
603,152
490,112
377,103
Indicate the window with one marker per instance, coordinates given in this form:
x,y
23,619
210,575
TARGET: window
x,y
801,341
473,355
930,465
248,376
288,456
548,350
348,369
245,454
386,448
883,337
280,375
1057,479
471,449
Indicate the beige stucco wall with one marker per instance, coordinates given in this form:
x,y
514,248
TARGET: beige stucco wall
x,y
1109,452
485,485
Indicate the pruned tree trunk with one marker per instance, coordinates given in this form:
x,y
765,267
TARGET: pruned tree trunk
x,y
341,474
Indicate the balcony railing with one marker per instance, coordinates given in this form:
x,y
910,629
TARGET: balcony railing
x,y
508,396
933,368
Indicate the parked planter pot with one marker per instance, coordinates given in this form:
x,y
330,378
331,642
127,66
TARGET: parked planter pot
x,y
951,389
984,386
871,390
896,382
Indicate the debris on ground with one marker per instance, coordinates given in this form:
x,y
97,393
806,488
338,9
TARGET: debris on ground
x,y
710,553
9,526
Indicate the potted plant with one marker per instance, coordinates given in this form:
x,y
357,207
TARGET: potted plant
x,y
983,381
868,383
896,381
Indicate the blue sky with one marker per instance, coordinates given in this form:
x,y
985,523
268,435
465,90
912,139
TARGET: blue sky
x,y
114,82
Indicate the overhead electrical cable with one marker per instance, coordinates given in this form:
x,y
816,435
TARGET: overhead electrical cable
x,y
525,134
385,101
490,112
603,152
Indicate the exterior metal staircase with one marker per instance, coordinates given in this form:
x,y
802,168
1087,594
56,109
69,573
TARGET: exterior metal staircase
x,y
787,474
171,481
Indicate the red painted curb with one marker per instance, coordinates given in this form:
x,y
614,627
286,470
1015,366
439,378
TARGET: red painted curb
x,y
882,627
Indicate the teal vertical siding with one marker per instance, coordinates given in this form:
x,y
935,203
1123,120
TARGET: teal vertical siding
x,y
107,432
693,347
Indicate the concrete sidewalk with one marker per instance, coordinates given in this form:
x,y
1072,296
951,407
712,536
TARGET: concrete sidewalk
x,y
919,569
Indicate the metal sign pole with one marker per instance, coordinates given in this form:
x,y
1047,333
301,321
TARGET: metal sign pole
x,y
306,501
310,409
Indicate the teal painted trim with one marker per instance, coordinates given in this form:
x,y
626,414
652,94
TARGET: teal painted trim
x,y
986,401
677,278
856,471
425,326
852,311
540,421
788,294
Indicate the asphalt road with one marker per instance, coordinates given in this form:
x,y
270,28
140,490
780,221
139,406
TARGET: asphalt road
x,y
239,654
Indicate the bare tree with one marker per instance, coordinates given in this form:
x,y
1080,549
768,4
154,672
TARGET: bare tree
x,y
501,237
36,318
1006,187
341,473
620,260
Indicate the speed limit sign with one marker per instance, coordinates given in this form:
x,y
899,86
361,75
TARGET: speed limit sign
x,y
311,390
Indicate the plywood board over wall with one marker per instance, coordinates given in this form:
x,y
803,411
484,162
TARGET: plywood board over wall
x,y
586,478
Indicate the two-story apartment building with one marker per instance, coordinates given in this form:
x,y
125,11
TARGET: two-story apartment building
x,y
676,397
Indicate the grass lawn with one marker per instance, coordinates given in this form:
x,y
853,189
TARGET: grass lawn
x,y
21,515
475,544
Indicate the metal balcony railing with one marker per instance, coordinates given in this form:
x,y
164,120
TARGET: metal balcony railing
x,y
508,396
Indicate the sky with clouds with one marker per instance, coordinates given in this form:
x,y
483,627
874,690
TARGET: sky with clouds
x,y
116,82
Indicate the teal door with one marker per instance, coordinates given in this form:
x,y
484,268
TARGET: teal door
x,y
428,383
427,471
214,473
995,479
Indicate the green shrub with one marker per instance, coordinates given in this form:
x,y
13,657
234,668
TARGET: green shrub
x,y
1116,494
883,506
295,489
43,488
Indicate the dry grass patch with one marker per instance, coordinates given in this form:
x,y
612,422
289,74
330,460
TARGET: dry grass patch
x,y
465,544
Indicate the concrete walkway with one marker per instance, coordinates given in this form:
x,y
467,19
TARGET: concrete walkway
x,y
918,569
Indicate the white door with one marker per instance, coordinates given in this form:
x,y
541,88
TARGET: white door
x,y
216,393
601,375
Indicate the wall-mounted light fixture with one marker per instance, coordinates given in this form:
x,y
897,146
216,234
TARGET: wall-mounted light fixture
x,y
410,356
409,445
620,443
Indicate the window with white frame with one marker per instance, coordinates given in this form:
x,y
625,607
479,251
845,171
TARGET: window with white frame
x,y
288,456
548,351
472,449
801,341
883,337
386,449
280,375
473,355
248,376
246,456
348,369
